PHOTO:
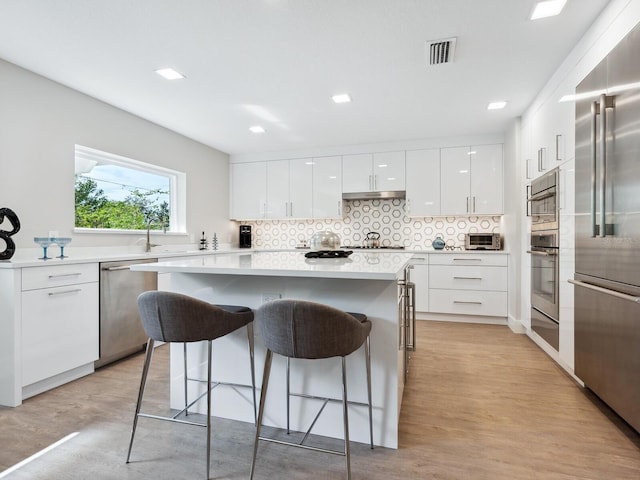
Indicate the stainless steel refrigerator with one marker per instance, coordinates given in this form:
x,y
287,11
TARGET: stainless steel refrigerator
x,y
607,262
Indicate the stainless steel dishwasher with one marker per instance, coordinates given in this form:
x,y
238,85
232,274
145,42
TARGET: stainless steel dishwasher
x,y
121,331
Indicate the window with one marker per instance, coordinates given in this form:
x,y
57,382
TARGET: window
x,y
116,193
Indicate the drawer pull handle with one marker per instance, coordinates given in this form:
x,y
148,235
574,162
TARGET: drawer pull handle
x,y
65,275
467,278
467,259
468,303
64,292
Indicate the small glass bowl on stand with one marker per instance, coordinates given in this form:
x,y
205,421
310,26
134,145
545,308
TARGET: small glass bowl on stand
x,y
61,242
44,242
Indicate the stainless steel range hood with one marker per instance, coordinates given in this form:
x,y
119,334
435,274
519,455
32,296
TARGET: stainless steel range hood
x,y
374,195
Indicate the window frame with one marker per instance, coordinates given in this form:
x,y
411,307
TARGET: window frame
x,y
177,188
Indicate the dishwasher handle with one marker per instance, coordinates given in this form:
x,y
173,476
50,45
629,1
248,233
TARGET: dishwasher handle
x,y
113,269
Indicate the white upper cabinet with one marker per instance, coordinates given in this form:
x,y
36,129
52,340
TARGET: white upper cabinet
x,y
300,188
248,190
423,183
373,172
327,187
389,171
472,180
455,172
289,184
357,173
552,132
486,180
277,189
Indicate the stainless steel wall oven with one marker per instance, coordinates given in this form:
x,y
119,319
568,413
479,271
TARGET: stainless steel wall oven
x,y
545,301
545,304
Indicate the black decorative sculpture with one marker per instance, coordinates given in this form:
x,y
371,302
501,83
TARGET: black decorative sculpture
x,y
5,235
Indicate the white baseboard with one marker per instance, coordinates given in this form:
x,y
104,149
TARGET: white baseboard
x,y
56,381
449,317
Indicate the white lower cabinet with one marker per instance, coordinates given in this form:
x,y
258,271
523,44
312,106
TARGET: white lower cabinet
x,y
59,320
462,284
468,284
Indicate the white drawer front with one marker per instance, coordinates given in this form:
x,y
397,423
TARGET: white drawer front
x,y
468,302
58,275
59,330
480,259
468,278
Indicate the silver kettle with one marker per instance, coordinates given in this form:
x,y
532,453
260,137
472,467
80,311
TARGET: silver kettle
x,y
372,240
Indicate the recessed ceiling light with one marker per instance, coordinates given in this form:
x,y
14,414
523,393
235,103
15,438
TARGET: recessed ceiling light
x,y
341,98
549,8
497,105
257,129
169,74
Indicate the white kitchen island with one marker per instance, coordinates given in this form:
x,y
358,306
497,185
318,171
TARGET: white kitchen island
x,y
366,282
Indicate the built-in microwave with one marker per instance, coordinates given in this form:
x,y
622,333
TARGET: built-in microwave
x,y
482,241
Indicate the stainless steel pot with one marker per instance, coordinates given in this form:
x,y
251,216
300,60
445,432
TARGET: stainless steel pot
x,y
325,240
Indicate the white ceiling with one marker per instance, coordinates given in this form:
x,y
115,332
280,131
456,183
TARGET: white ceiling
x,y
277,62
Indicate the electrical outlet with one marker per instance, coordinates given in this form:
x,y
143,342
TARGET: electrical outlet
x,y
268,297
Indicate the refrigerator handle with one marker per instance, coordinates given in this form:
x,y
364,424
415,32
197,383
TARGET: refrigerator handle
x,y
595,108
613,293
600,108
603,165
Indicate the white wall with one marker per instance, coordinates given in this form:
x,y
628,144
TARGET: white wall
x,y
40,121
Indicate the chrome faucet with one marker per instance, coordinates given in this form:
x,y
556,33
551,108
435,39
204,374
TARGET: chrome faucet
x,y
149,244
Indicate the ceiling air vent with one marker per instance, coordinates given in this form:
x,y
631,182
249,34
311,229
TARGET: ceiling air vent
x,y
441,51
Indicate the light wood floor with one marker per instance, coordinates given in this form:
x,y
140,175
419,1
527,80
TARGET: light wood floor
x,y
481,403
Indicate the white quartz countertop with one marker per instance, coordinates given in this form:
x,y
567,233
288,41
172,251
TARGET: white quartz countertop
x,y
28,257
369,265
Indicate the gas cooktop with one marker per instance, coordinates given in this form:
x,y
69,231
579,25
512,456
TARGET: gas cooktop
x,y
382,247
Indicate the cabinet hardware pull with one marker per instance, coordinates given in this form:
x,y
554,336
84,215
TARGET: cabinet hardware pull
x,y
474,204
418,258
370,182
113,269
65,275
467,278
558,138
468,303
75,290
468,205
613,293
528,167
467,259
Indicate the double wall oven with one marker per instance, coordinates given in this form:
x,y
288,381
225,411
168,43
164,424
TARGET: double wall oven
x,y
543,208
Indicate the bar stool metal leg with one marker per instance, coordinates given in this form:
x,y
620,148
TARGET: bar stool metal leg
x,y
263,396
253,370
209,352
143,381
186,395
345,412
367,353
288,393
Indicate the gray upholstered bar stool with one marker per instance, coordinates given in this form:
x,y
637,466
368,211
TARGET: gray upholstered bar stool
x,y
309,330
176,318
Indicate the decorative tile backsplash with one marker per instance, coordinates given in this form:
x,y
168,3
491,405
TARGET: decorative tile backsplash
x,y
385,216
